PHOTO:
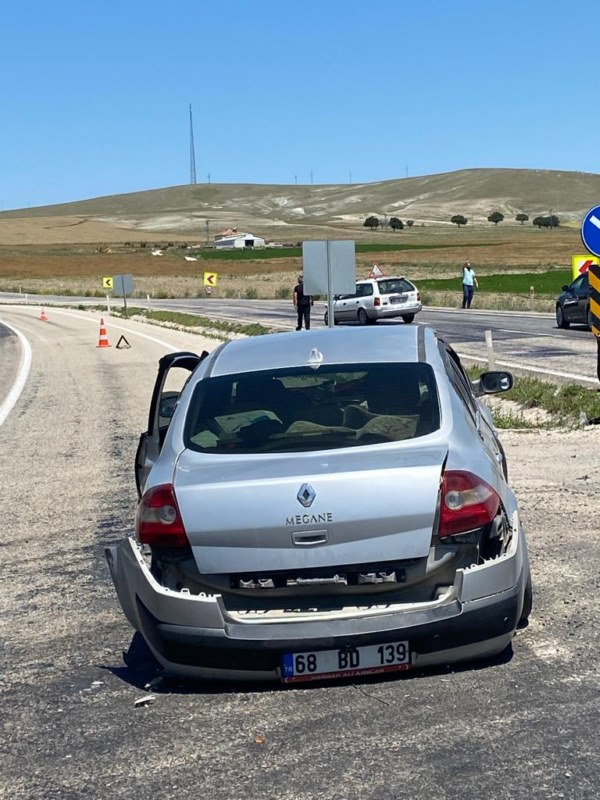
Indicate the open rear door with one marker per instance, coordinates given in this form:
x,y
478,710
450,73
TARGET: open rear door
x,y
174,370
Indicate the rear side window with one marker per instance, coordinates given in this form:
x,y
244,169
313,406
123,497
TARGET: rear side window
x,y
300,409
394,286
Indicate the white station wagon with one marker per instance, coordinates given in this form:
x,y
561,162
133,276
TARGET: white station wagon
x,y
322,504
378,298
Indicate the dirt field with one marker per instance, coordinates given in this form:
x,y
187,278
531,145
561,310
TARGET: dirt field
x,y
77,267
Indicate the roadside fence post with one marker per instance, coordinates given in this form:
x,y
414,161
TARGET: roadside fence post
x,y
148,298
108,305
531,298
490,350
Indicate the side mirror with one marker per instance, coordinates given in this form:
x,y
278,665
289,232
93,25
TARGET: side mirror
x,y
494,382
167,405
565,288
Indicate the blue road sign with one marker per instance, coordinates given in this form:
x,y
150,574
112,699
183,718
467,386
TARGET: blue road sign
x,y
590,230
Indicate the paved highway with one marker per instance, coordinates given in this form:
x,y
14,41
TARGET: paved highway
x,y
527,340
520,728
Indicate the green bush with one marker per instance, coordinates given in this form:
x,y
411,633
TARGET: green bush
x,y
251,293
283,293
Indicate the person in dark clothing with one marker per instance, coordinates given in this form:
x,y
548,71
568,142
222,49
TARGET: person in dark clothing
x,y
302,304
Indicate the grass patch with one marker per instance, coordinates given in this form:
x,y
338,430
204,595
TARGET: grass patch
x,y
193,321
565,402
507,283
211,254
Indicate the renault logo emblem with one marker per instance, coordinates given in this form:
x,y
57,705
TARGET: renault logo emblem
x,y
306,495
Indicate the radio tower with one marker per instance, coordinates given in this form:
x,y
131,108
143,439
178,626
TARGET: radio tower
x,y
192,151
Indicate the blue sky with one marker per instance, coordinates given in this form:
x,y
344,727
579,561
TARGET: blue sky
x,y
95,94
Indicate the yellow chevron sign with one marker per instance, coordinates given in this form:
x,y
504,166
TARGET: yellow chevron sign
x,y
594,274
581,264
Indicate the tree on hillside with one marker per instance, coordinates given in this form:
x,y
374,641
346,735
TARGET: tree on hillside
x,y
522,218
551,221
410,222
459,220
396,224
495,217
371,222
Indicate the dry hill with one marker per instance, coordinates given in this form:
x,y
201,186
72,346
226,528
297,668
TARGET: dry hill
x,y
294,212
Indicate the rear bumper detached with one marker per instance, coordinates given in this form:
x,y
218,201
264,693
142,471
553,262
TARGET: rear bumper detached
x,y
195,636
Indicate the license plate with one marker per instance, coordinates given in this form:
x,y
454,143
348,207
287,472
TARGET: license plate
x,y
347,661
399,299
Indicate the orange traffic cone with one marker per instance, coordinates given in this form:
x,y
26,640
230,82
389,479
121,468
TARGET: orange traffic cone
x,y
44,316
103,342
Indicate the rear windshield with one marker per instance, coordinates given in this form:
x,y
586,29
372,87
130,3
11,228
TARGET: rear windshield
x,y
394,285
301,409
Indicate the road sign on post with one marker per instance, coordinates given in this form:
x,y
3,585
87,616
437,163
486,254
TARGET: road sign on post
x,y
590,230
210,279
122,287
329,268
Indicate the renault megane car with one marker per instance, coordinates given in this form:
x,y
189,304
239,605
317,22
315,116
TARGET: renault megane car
x,y
378,298
322,504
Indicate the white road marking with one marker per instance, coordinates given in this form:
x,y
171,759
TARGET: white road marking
x,y
24,366
511,365
526,333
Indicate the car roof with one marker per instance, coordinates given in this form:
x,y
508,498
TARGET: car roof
x,y
385,343
383,278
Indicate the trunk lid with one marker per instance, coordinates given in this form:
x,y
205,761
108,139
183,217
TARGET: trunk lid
x,y
299,511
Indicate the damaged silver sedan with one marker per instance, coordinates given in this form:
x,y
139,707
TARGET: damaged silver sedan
x,y
322,504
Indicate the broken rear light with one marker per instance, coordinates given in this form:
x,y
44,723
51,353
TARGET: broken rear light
x,y
467,503
377,301
158,519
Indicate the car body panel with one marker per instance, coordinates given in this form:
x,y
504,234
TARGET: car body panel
x,y
374,505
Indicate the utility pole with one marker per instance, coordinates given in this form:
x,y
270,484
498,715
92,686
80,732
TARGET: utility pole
x,y
208,178
192,151
311,177
207,223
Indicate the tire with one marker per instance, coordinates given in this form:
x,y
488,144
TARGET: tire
x,y
527,603
561,322
408,318
362,317
326,318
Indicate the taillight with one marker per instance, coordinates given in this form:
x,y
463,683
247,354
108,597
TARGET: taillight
x,y
377,301
467,503
158,520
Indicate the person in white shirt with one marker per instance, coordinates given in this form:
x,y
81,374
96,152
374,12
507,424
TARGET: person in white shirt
x,y
469,284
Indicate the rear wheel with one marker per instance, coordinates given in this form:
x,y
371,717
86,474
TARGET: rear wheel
x,y
408,317
362,317
561,322
326,319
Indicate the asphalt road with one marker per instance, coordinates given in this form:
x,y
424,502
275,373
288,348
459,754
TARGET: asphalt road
x,y
530,342
519,728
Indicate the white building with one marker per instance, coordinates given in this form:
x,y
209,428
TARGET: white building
x,y
239,240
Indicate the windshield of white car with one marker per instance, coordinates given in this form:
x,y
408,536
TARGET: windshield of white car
x,y
300,409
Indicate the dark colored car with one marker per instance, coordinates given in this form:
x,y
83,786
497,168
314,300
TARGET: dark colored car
x,y
573,305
